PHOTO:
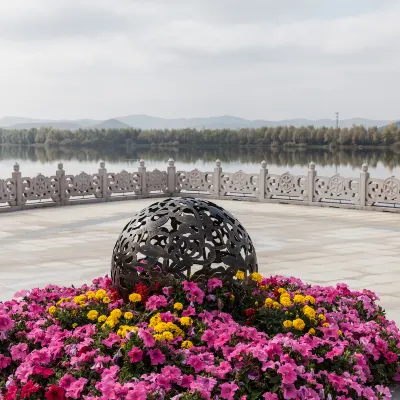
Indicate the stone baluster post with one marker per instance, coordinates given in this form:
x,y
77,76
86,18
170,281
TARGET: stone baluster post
x,y
104,179
60,174
311,182
217,178
143,178
263,176
16,177
171,177
364,176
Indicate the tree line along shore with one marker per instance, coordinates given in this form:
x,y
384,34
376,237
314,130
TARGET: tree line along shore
x,y
288,136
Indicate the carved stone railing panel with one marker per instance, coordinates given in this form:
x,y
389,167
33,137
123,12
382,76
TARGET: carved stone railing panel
x,y
7,191
383,191
124,182
40,188
337,188
156,181
286,186
239,182
195,181
83,185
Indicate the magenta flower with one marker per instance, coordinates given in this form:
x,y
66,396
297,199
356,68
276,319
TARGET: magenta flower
x,y
270,396
19,351
214,283
6,323
156,357
228,390
135,355
173,373
4,361
155,302
147,338
288,373
391,357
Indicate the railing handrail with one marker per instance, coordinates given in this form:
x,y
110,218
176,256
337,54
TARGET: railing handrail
x,y
360,192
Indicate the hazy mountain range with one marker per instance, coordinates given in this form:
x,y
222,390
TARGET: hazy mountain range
x,y
148,122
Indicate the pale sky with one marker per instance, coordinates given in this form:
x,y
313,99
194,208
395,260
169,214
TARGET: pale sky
x,y
264,59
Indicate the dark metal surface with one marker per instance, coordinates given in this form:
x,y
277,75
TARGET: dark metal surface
x,y
178,237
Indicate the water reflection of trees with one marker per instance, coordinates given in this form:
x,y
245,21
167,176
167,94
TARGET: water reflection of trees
x,y
273,156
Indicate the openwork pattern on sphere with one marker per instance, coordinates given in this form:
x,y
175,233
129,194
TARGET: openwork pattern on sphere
x,y
181,237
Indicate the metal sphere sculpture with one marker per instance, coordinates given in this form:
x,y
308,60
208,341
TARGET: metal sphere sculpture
x,y
180,237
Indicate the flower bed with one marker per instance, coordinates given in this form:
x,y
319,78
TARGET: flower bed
x,y
256,338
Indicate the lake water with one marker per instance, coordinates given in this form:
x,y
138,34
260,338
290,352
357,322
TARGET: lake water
x,y
347,163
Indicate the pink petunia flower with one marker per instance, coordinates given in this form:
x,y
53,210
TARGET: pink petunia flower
x,y
135,355
228,390
156,357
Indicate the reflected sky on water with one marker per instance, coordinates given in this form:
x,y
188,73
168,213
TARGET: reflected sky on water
x,y
345,162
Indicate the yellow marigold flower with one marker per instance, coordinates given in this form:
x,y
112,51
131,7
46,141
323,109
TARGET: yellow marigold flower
x,y
121,333
74,325
311,332
79,299
102,318
286,294
240,275
154,321
310,299
232,298
167,335
285,301
135,297
106,300
128,315
186,321
263,288
178,306
92,315
268,302
116,313
255,276
339,332
52,310
325,325
110,323
161,327
187,344
309,311
287,324
322,317
100,294
298,298
158,337
281,290
276,305
90,294
299,324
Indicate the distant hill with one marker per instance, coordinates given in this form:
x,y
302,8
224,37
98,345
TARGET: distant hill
x,y
10,121
29,123
56,125
111,124
148,122
229,122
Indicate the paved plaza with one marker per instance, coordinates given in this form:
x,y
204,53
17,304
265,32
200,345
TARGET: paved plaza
x,y
72,245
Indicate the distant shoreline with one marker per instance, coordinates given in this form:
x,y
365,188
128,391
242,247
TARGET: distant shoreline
x,y
204,146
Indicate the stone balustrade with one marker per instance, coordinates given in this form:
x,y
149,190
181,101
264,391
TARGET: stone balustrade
x,y
361,192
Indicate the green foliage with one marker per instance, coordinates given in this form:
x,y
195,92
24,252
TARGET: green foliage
x,y
266,136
